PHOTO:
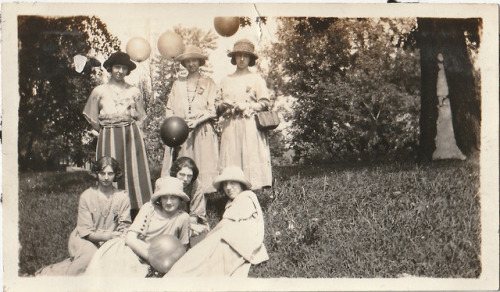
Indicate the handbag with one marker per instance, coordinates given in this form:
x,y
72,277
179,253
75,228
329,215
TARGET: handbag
x,y
267,120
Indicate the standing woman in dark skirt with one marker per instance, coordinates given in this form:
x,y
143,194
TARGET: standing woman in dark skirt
x,y
116,110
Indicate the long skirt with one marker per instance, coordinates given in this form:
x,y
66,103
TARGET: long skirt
x,y
211,257
115,258
81,252
202,145
243,145
126,145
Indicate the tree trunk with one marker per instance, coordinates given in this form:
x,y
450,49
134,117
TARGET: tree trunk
x,y
447,36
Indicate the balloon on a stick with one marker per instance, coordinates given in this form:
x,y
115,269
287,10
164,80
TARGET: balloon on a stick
x,y
170,44
164,251
174,131
138,49
226,26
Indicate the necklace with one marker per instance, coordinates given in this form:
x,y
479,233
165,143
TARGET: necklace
x,y
191,94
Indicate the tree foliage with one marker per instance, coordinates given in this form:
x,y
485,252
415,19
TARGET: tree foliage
x,y
164,72
357,90
52,93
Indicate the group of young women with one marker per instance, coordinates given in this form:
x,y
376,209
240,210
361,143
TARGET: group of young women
x,y
107,242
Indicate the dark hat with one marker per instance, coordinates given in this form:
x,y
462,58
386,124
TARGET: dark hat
x,y
243,46
119,58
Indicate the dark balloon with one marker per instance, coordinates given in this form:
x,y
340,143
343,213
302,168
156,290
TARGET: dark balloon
x,y
226,26
174,131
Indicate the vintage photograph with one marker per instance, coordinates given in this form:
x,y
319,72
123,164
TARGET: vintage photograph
x,y
250,146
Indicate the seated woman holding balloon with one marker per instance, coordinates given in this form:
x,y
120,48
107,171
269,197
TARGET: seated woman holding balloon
x,y
185,169
236,242
116,110
193,99
132,254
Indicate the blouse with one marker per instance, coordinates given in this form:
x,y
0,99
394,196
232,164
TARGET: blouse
x,y
105,107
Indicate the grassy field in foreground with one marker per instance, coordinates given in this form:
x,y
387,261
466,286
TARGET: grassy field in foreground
x,y
382,220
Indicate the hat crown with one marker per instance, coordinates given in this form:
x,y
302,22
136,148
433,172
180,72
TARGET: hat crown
x,y
244,45
231,173
168,185
192,49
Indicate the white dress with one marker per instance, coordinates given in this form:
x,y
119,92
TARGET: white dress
x,y
242,144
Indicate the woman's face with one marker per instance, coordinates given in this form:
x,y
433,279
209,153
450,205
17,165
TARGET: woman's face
x,y
118,72
242,60
106,176
185,174
170,203
232,189
192,65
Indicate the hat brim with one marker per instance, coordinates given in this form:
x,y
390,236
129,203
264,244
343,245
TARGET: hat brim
x,y
130,65
157,195
186,56
231,54
222,178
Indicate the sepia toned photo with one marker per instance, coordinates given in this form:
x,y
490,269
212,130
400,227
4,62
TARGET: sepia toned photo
x,y
250,147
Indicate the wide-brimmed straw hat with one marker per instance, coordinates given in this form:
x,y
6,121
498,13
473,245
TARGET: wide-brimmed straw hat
x,y
192,52
119,58
168,185
231,173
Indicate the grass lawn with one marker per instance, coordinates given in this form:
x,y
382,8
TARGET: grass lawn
x,y
377,220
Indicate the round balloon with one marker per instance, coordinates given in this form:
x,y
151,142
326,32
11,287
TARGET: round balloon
x,y
174,131
164,251
138,49
170,44
226,26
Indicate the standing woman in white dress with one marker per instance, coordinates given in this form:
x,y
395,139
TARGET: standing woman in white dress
x,y
242,94
193,99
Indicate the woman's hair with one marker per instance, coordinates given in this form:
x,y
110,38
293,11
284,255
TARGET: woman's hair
x,y
250,64
110,68
182,162
243,186
105,161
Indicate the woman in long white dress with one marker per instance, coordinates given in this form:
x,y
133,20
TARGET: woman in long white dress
x,y
193,99
242,94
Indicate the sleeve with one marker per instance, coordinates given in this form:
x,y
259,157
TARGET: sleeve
x,y
140,220
242,208
85,220
262,93
123,217
184,229
211,96
197,205
91,110
139,106
169,112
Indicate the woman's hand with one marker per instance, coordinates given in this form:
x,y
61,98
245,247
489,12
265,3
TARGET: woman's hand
x,y
192,123
197,229
242,106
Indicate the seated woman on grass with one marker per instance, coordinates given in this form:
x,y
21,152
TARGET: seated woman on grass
x,y
128,256
236,242
185,169
103,214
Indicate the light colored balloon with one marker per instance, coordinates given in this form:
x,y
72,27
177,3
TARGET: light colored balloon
x,y
138,49
170,44
226,26
164,251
